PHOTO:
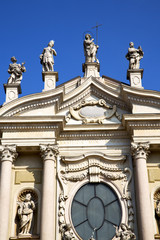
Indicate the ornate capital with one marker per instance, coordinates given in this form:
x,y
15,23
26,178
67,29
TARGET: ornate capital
x,y
140,150
8,153
49,151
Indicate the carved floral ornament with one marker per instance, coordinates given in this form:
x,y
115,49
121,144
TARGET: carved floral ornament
x,y
94,169
92,111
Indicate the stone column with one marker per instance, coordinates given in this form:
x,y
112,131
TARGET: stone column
x,y
140,152
49,154
8,155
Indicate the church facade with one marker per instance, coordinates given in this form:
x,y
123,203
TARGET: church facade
x,y
80,160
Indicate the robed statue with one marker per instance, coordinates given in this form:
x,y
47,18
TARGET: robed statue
x,y
90,49
46,57
25,213
134,56
16,71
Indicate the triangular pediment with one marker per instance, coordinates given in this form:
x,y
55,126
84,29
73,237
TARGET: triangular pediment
x,y
59,100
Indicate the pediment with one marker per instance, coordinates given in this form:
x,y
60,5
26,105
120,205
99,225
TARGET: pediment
x,y
61,99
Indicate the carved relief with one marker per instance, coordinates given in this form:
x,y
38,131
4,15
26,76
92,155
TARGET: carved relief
x,y
157,210
92,111
95,168
65,229
26,211
124,233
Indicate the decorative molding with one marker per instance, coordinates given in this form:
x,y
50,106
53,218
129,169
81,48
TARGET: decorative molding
x,y
65,229
80,135
30,106
93,90
108,111
26,127
144,100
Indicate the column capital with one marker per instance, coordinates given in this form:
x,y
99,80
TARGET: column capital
x,y
140,150
49,151
8,153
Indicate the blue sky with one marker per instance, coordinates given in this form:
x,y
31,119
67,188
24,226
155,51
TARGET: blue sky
x,y
27,26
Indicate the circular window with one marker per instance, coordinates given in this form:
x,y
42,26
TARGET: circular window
x,y
96,210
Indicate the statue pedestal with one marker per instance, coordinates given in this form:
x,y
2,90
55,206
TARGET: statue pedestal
x,y
49,79
135,77
25,237
91,69
12,91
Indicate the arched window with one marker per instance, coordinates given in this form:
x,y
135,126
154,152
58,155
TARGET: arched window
x,y
96,208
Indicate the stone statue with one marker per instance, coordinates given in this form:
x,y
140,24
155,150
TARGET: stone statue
x,y
25,213
46,57
16,71
134,56
90,49
158,209
125,233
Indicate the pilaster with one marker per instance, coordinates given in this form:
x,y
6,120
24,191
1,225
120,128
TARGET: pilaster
x,y
49,155
140,153
8,155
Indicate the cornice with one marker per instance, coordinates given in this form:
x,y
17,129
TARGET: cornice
x,y
91,135
141,121
141,96
30,123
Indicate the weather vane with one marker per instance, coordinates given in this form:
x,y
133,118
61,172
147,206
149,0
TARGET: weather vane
x,y
97,26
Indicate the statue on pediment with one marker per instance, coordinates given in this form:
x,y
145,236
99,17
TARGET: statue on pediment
x,y
46,57
25,213
90,49
134,56
16,71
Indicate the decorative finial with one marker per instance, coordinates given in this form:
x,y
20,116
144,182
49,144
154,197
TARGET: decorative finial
x,y
46,57
134,56
16,71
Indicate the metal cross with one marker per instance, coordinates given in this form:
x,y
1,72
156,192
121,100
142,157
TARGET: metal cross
x,y
97,25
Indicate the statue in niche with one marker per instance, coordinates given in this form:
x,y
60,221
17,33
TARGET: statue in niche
x,y
16,71
134,56
46,57
90,49
25,213
157,211
125,233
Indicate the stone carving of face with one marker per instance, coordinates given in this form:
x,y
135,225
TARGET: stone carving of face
x,y
28,197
